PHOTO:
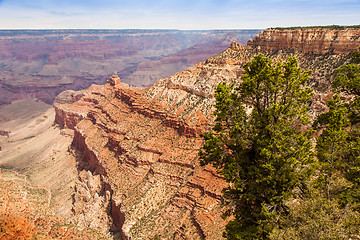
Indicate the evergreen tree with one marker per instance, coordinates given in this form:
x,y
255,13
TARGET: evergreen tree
x,y
347,81
258,143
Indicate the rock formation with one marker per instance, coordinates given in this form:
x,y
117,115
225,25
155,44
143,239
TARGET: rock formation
x,y
37,176
139,148
317,40
25,214
4,133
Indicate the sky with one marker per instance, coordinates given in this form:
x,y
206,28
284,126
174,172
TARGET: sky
x,y
175,14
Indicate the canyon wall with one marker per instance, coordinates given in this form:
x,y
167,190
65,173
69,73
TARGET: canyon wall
x,y
42,63
317,40
141,146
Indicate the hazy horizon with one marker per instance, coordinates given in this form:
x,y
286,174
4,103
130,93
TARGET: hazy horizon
x,y
176,14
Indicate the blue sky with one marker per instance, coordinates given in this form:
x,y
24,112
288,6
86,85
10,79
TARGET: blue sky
x,y
175,14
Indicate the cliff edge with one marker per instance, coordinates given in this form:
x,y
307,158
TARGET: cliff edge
x,y
317,40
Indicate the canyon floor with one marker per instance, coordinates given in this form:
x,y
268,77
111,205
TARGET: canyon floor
x,y
37,175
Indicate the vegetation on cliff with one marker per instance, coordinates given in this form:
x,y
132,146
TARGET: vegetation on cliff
x,y
279,186
330,207
258,144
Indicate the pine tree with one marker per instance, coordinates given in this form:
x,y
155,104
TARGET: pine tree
x,y
258,143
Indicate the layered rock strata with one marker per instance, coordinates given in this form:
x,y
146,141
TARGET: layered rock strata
x,y
317,40
139,149
25,214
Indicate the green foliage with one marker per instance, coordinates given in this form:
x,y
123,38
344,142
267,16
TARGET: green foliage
x,y
347,79
338,151
355,55
257,143
330,145
156,237
316,218
258,147
352,156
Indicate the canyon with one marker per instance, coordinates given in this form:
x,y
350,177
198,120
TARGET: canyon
x,y
124,161
42,63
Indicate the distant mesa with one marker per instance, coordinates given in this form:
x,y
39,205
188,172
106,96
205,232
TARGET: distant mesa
x,y
317,40
41,64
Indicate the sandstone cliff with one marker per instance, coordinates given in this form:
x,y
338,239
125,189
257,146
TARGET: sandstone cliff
x,y
318,40
139,174
139,148
38,176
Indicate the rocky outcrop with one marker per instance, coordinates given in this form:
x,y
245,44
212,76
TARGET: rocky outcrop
x,y
38,176
139,148
25,214
66,118
317,40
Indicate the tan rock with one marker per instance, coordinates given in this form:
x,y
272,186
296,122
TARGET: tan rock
x,y
309,40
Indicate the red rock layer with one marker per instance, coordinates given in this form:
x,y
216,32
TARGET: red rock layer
x,y
308,40
144,145
25,214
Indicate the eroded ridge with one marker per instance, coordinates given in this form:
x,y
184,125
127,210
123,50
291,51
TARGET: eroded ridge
x,y
137,157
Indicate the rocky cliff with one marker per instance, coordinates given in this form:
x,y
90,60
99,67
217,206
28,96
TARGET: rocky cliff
x,y
317,40
139,174
139,150
25,214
